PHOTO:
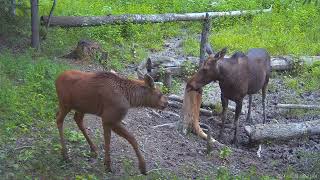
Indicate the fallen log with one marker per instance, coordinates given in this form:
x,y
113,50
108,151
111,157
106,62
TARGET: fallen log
x,y
297,106
178,105
263,132
177,98
284,63
281,63
81,21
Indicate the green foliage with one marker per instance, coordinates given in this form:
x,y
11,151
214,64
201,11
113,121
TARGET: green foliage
x,y
27,92
191,46
290,29
306,79
225,152
74,136
176,86
188,69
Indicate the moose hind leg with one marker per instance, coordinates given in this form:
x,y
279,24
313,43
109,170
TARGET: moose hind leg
x,y
61,114
121,131
264,90
78,117
107,137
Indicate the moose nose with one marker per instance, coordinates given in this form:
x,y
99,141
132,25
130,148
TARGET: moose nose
x,y
166,104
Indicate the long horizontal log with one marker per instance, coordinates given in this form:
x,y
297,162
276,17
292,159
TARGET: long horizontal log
x,y
76,21
297,106
262,132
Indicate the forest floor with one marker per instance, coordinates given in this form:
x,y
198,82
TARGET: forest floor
x,y
166,150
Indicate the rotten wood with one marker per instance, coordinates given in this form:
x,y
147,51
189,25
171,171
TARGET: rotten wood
x,y
81,21
297,106
263,132
87,50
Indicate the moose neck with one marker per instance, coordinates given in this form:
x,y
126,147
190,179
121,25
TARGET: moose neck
x,y
136,95
217,70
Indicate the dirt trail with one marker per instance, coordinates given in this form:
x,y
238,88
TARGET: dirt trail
x,y
165,148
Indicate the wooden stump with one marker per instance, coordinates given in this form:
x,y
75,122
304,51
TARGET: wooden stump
x,y
191,112
88,50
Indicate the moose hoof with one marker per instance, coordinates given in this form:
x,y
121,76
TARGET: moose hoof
x,y
143,169
94,151
107,165
94,154
235,142
66,157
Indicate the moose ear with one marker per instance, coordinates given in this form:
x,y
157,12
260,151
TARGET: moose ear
x,y
149,80
221,53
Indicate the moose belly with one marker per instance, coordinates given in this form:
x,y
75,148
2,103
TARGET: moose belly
x,y
234,94
86,103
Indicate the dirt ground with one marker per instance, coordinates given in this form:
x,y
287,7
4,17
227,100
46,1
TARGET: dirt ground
x,y
166,148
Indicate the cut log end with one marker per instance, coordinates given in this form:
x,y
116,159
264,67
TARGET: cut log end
x,y
248,130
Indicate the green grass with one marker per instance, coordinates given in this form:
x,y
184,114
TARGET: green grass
x,y
305,80
289,29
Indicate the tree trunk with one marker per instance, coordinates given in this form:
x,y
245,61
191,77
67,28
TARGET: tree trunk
x,y
262,132
204,38
51,13
76,21
13,7
35,41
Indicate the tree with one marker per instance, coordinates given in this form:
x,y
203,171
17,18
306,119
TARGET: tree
x,y
35,40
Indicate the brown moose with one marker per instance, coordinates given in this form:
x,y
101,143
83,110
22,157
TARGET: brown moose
x,y
109,96
238,76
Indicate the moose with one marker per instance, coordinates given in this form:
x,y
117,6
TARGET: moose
x,y
238,76
109,96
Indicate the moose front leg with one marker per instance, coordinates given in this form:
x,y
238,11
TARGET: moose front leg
x,y
224,103
236,121
121,131
249,120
